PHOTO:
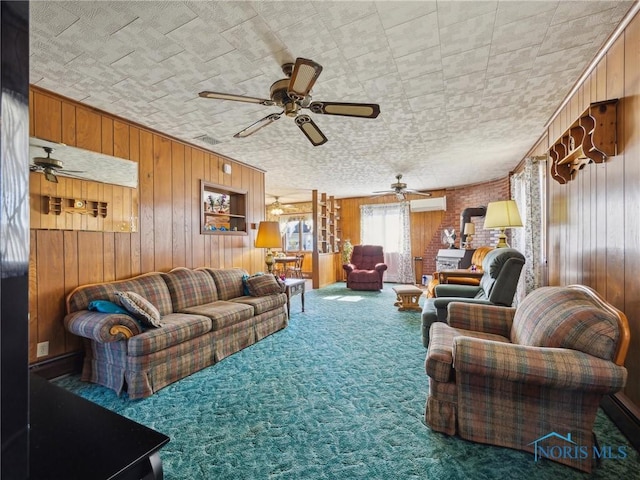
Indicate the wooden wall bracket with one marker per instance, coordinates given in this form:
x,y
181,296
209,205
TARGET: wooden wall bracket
x,y
57,205
590,139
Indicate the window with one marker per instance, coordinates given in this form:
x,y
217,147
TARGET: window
x,y
388,225
298,232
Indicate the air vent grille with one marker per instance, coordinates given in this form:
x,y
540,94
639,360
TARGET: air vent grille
x,y
208,139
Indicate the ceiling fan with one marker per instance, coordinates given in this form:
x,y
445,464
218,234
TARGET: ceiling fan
x,y
50,166
293,94
400,189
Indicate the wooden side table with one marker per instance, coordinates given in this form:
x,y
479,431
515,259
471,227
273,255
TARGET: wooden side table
x,y
295,286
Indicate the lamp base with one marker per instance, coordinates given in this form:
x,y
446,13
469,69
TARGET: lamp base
x,y
268,259
502,240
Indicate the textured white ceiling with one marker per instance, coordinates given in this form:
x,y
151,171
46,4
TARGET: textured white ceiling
x,y
465,88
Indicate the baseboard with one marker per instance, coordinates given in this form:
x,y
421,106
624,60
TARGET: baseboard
x,y
58,366
625,415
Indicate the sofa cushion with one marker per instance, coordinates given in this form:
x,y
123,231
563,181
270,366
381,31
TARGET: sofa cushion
x,y
150,285
190,287
263,304
221,313
565,318
228,282
264,285
141,308
176,328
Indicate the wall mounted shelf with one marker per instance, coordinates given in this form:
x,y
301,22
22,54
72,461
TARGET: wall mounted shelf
x,y
224,210
590,139
57,205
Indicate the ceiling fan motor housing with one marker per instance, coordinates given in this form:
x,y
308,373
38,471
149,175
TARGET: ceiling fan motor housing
x,y
47,162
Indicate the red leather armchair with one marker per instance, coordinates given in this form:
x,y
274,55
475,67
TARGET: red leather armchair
x,y
366,268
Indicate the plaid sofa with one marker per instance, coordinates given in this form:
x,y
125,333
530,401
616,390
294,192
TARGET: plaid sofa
x,y
205,317
530,379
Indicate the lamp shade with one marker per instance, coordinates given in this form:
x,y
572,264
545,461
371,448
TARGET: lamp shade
x,y
469,228
502,214
269,235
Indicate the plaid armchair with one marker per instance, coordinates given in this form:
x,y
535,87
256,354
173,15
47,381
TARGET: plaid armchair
x,y
511,377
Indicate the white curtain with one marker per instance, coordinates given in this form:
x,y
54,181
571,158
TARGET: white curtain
x,y
527,189
388,225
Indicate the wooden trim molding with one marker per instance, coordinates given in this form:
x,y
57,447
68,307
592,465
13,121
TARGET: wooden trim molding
x,y
625,415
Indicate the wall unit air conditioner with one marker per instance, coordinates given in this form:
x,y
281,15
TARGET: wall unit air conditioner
x,y
428,204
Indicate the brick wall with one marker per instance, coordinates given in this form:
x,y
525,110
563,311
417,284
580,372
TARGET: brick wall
x,y
458,199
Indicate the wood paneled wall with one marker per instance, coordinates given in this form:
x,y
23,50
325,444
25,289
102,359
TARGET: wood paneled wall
x,y
594,220
168,233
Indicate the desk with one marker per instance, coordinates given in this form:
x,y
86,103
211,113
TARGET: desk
x,y
445,275
294,286
73,438
284,261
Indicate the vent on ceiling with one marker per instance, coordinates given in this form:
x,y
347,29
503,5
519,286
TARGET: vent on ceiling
x,y
208,139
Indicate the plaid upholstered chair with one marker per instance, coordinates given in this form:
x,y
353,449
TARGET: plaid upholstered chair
x,y
366,268
527,378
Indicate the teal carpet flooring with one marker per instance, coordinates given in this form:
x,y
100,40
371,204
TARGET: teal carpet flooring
x,y
339,394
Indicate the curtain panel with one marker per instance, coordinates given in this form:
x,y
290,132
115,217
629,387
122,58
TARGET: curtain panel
x,y
389,225
527,189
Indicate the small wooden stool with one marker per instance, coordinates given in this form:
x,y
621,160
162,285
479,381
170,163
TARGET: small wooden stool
x,y
408,296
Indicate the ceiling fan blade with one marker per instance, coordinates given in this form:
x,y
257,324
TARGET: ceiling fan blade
x,y
415,192
235,98
311,130
304,75
254,127
362,110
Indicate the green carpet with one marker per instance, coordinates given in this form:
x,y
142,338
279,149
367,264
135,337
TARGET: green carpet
x,y
339,394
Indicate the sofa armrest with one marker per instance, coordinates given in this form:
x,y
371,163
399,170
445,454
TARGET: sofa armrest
x,y
452,290
348,267
380,267
481,318
557,368
101,327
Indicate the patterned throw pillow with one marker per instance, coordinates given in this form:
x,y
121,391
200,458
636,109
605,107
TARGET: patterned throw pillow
x,y
140,307
262,285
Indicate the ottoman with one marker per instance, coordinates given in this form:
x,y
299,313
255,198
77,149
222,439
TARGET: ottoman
x,y
407,297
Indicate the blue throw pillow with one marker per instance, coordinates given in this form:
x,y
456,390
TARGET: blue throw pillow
x,y
105,306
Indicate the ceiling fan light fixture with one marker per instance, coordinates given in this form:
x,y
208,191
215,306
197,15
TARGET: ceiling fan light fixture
x,y
276,209
291,109
48,174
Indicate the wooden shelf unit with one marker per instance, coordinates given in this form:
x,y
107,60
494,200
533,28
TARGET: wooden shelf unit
x,y
57,205
326,246
223,210
590,139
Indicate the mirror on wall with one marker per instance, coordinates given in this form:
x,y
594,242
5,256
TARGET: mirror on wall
x,y
76,189
57,159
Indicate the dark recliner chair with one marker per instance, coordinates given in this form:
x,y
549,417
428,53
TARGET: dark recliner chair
x,y
501,266
366,268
